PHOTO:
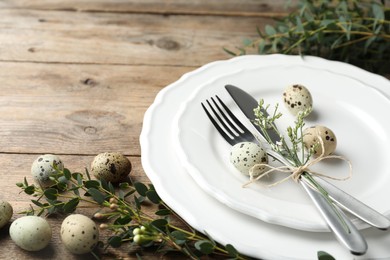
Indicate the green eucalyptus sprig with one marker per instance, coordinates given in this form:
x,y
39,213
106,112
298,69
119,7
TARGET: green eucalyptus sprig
x,y
122,208
293,150
353,31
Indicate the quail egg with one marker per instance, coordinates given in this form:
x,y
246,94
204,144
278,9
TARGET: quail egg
x,y
32,233
111,167
311,137
42,169
245,155
6,212
297,98
79,234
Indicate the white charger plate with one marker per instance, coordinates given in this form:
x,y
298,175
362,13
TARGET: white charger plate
x,y
249,235
351,107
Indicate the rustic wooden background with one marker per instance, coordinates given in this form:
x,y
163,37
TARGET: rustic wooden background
x,y
77,76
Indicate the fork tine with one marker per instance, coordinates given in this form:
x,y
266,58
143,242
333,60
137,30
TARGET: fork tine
x,y
216,125
232,116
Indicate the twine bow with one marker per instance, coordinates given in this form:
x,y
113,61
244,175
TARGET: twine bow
x,y
296,172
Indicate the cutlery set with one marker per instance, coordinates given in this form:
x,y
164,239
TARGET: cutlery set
x,y
347,234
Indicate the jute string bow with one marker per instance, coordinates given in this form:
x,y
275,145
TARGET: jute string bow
x,y
296,172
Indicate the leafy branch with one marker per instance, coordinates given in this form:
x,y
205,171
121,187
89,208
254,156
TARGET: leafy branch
x,y
357,32
121,208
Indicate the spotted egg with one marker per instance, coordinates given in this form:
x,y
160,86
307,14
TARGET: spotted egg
x,y
112,167
42,169
245,155
311,136
79,234
6,213
297,98
32,233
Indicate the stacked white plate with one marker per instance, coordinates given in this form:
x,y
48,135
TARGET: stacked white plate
x,y
188,162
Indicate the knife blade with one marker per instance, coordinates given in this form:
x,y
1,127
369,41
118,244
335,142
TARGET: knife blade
x,y
247,103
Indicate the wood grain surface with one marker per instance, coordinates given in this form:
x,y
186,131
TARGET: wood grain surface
x,y
76,78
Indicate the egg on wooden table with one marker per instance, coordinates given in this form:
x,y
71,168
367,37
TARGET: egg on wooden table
x,y
32,233
111,167
42,169
79,234
6,212
297,98
246,155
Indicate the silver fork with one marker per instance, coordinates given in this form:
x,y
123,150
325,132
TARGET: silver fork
x,y
233,131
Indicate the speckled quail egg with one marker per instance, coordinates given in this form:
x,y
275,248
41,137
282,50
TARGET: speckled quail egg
x,y
297,98
42,169
6,212
111,167
79,234
311,137
245,155
32,233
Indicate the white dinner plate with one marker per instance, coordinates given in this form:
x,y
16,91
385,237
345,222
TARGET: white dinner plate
x,y
352,108
176,187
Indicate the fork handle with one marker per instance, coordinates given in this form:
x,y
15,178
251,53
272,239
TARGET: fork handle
x,y
342,227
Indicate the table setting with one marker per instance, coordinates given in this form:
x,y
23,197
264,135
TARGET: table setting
x,y
187,160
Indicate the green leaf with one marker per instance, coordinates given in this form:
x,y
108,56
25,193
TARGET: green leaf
x,y
163,212
71,205
96,195
179,237
39,204
67,174
92,184
123,220
141,188
153,196
324,256
124,185
115,241
378,11
204,246
104,184
19,184
87,173
270,30
111,188
29,190
121,195
160,224
51,193
75,190
231,250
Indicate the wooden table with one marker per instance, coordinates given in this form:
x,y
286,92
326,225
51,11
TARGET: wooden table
x,y
77,76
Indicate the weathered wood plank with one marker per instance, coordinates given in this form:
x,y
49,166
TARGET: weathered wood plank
x,y
77,109
109,38
197,7
14,168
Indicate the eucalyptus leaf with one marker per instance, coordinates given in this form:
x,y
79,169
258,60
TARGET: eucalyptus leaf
x,y
153,196
141,188
92,184
324,256
51,193
96,195
71,205
160,224
115,241
67,174
231,250
204,246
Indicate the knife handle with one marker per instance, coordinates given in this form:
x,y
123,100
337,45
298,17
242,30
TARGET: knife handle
x,y
354,206
341,226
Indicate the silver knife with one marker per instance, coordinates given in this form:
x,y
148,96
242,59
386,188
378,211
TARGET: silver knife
x,y
247,103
